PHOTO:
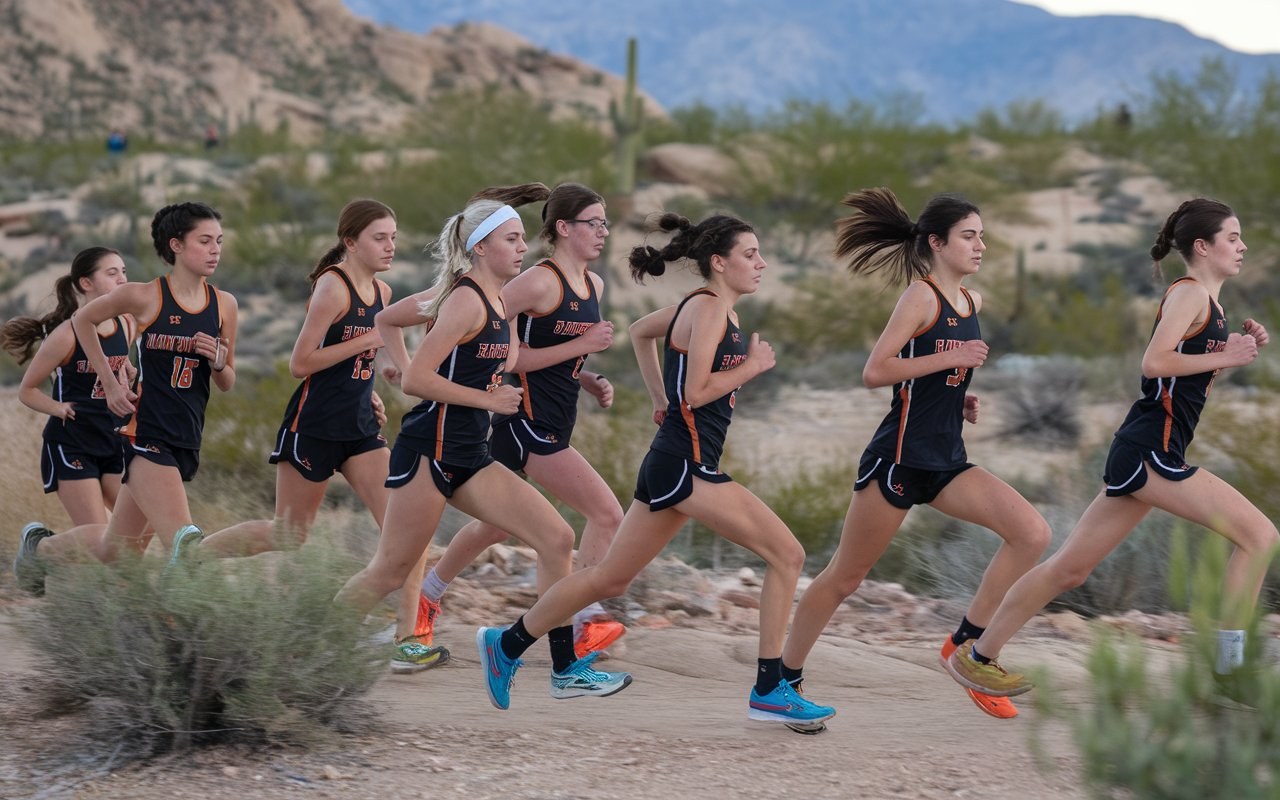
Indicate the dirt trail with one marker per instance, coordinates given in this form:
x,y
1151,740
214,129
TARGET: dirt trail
x,y
903,730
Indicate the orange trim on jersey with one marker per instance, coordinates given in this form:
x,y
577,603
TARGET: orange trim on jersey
x,y
440,431
687,413
1208,316
488,306
1166,400
71,351
142,326
302,400
1165,296
905,394
347,284
554,268
564,281
969,299
937,298
525,399
208,291
130,429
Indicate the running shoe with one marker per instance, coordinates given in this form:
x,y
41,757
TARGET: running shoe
x,y
990,679
806,728
414,655
596,635
998,707
27,566
185,542
784,704
424,627
580,679
499,671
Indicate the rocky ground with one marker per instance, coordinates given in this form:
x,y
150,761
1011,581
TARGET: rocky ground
x,y
903,728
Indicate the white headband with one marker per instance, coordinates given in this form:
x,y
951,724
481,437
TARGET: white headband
x,y
492,221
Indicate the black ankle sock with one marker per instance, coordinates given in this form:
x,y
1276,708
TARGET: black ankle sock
x,y
965,632
768,674
792,676
979,657
515,640
561,641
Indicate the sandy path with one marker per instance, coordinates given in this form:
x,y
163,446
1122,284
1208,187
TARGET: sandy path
x,y
904,730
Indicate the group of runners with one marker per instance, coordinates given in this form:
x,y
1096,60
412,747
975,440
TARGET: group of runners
x,y
498,375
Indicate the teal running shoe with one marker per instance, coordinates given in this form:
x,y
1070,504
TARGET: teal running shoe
x,y
580,680
185,542
27,566
499,671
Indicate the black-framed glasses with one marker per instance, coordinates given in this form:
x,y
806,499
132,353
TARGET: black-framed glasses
x,y
595,223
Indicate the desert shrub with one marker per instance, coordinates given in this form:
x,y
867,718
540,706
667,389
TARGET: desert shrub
x,y
1173,735
1206,136
813,504
827,312
237,650
799,161
1052,311
1032,139
1044,405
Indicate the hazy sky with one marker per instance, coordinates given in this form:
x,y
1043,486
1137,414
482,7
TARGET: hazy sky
x,y
1251,26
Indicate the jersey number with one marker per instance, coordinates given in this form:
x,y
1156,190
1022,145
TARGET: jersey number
x,y
577,367
97,392
182,372
363,369
957,377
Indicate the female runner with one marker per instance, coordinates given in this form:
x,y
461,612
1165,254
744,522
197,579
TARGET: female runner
x,y
1147,468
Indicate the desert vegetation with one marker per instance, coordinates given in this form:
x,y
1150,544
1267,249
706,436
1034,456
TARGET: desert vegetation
x,y
1065,342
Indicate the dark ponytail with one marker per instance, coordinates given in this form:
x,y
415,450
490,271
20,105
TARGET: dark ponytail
x,y
1200,218
353,219
714,236
565,202
880,234
20,334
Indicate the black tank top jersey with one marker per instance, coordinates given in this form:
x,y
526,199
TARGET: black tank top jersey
x,y
334,403
697,433
551,394
456,434
1164,418
75,381
923,427
173,379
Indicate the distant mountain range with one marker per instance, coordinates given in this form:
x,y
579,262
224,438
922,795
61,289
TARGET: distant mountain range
x,y
958,56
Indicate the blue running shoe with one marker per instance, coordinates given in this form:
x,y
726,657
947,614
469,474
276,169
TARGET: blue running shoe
x,y
580,679
784,704
499,671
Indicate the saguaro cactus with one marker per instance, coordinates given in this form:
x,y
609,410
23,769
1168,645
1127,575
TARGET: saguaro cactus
x,y
627,122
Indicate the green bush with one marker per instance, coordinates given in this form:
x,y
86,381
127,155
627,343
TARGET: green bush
x,y
238,650
1181,734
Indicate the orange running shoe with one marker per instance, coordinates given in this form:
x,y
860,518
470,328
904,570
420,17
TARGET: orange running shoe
x,y
425,625
998,707
597,635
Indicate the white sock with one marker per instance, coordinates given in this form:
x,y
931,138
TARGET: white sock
x,y
1230,651
433,587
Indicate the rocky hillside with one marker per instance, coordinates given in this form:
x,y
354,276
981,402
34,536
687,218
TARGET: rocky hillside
x,y
954,56
74,68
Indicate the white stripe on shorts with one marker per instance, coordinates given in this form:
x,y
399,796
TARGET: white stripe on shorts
x,y
679,483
